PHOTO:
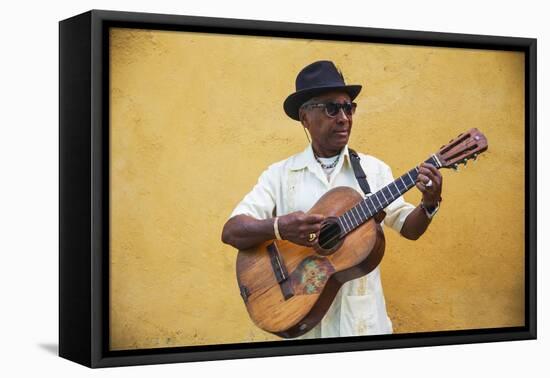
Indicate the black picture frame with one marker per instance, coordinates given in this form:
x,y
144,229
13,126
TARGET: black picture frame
x,y
84,187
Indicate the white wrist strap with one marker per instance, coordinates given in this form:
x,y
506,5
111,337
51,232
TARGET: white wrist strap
x,y
276,228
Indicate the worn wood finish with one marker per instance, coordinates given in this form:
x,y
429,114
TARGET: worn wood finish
x,y
314,286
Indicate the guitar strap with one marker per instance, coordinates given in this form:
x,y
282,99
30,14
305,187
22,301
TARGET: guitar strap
x,y
358,170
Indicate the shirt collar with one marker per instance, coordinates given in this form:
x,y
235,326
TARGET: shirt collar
x,y
307,159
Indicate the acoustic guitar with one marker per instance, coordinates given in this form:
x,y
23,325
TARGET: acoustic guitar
x,y
288,288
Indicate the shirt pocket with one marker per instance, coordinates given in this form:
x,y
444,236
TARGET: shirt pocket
x,y
359,315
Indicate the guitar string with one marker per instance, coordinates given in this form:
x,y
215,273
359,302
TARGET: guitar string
x,y
336,234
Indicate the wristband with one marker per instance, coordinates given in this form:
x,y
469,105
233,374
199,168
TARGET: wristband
x,y
276,228
429,213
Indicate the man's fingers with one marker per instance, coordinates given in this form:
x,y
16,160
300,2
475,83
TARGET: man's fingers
x,y
431,172
309,228
421,186
426,172
431,168
314,218
423,178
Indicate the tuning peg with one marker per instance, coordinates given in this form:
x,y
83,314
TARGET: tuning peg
x,y
475,157
464,161
455,167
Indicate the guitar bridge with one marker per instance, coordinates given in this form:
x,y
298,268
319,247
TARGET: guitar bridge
x,y
279,269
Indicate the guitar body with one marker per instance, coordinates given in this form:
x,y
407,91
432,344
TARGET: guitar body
x,y
288,288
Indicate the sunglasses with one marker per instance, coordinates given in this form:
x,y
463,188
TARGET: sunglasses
x,y
333,108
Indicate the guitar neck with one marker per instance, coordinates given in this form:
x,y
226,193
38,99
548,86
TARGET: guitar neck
x,y
378,201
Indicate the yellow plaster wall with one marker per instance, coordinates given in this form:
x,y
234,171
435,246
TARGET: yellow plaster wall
x,y
195,118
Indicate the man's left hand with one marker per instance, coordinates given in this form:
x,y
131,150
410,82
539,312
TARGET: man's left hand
x,y
429,182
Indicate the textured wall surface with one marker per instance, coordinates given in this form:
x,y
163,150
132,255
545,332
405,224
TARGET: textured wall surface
x,y
195,118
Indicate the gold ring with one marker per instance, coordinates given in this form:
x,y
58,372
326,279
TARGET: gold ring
x,y
312,237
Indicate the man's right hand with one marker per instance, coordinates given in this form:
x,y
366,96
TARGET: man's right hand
x,y
298,226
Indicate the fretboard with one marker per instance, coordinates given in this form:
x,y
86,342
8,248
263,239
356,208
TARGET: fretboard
x,y
374,203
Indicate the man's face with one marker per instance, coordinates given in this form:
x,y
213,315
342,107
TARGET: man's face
x,y
329,134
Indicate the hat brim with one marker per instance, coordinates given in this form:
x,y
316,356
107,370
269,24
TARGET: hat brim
x,y
294,101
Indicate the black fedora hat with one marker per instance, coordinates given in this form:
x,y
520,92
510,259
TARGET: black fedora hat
x,y
313,80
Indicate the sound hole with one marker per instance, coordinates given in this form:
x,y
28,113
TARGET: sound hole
x,y
329,235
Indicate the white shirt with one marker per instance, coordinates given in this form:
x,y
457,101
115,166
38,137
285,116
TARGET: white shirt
x,y
296,184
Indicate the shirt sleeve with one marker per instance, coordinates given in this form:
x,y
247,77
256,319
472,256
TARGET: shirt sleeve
x,y
398,210
260,202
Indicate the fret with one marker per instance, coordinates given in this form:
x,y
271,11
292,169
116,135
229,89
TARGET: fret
x,y
342,225
364,213
342,222
397,187
369,210
383,195
353,215
365,209
399,192
350,220
361,220
410,178
384,202
354,219
389,188
379,203
387,199
358,218
345,223
404,185
390,195
371,202
372,207
350,226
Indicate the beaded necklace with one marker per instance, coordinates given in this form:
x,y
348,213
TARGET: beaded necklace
x,y
327,166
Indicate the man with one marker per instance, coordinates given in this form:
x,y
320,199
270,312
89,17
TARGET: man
x,y
275,207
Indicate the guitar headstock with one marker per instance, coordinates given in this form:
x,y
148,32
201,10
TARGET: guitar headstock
x,y
464,147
